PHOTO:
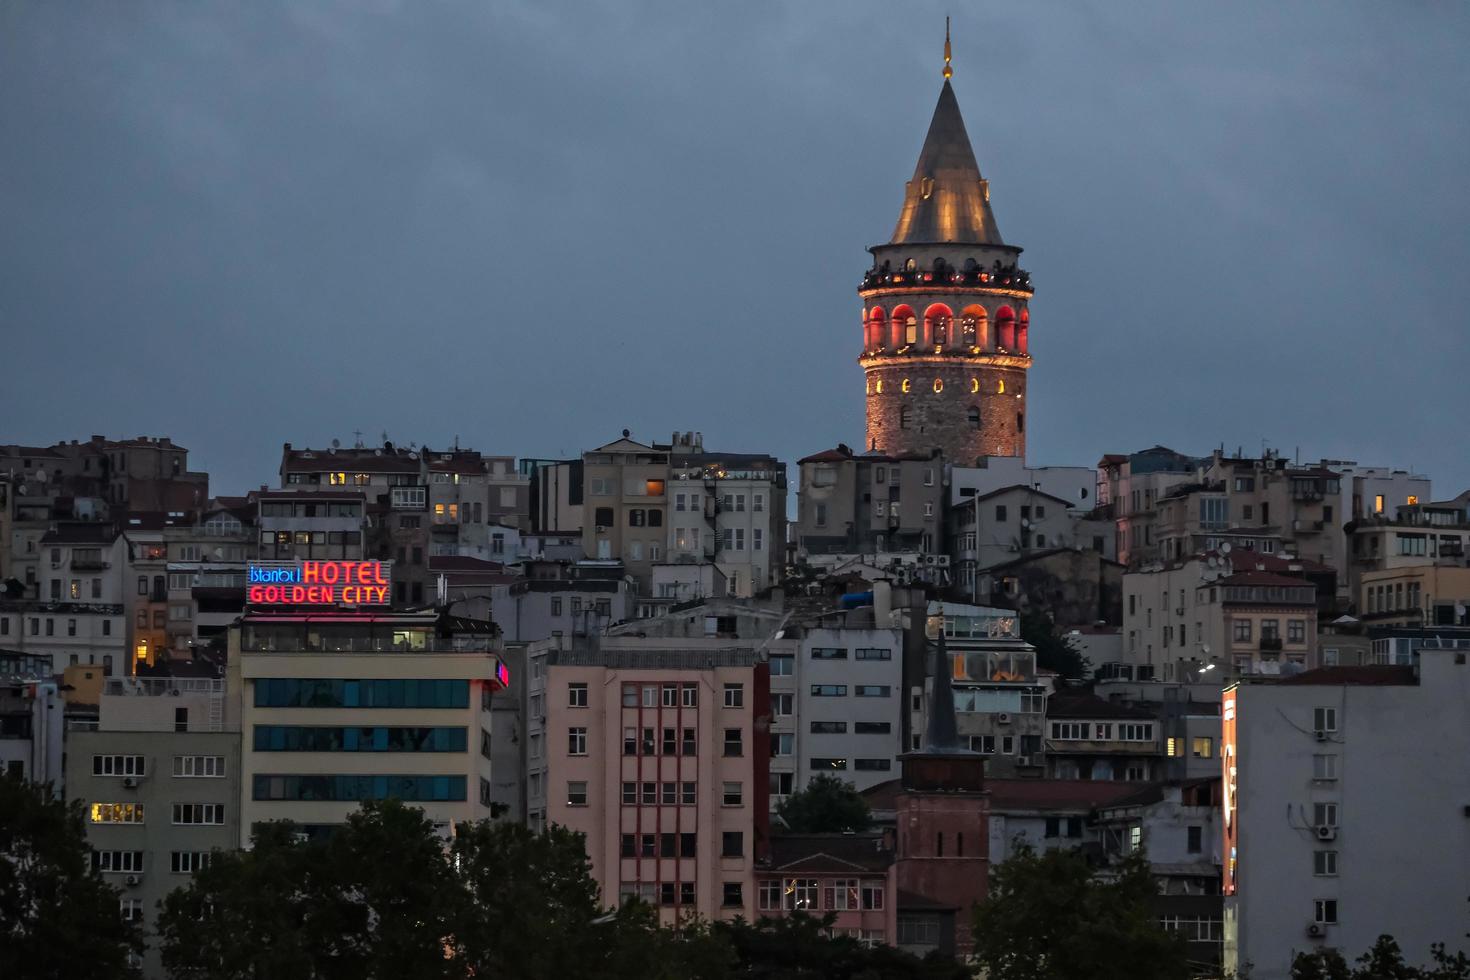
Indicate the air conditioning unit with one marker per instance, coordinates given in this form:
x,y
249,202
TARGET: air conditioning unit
x,y
1003,718
131,782
1321,735
133,881
600,528
1179,611
1023,760
1326,832
1315,930
942,561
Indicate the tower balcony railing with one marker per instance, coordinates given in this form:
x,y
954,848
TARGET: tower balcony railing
x,y
995,278
944,350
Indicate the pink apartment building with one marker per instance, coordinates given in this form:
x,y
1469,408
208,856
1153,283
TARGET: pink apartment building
x,y
657,750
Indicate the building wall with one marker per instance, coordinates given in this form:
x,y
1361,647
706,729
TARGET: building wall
x,y
604,767
941,393
865,758
1401,842
248,669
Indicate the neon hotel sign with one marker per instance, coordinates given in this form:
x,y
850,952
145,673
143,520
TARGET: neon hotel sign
x,y
317,583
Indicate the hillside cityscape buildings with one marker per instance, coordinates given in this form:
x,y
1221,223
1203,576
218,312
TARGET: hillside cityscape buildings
x,y
645,644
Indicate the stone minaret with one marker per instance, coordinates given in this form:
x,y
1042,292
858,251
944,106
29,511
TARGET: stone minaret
x,y
945,323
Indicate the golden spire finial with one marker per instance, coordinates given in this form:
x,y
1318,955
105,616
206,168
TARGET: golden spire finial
x,y
948,71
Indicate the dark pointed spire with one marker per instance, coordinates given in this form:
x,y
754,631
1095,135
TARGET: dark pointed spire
x,y
947,200
942,733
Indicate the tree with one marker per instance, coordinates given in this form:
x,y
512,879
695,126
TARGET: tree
x,y
533,901
1384,961
376,899
799,947
1053,651
58,917
827,805
1048,917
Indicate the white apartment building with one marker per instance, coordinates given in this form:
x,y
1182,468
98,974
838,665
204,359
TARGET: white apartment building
x,y
159,777
849,703
1345,811
1077,485
80,617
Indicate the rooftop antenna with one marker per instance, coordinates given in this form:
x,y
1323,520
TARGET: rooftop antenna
x,y
948,71
357,434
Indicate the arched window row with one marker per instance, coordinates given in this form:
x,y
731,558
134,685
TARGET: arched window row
x,y
942,330
874,386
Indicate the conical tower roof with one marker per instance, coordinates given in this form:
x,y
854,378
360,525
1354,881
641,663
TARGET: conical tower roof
x,y
947,200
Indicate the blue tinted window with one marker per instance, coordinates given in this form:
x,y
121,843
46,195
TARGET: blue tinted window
x,y
285,692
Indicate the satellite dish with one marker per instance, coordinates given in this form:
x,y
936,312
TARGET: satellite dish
x,y
22,490
336,443
42,476
1225,548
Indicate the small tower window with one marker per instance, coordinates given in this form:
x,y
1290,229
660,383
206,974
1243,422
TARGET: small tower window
x,y
1020,422
878,386
1000,387
974,386
911,330
905,386
974,417
905,414
938,385
910,265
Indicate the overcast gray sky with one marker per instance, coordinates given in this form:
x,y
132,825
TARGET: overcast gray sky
x,y
532,224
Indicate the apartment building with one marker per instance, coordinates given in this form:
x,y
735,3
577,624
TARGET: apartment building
x,y
206,570
849,703
344,705
1244,611
159,777
729,510
870,504
79,616
1128,485
1188,714
627,507
1003,525
1176,824
999,701
31,713
1089,738
1075,484
849,875
1344,810
1406,537
656,750
583,599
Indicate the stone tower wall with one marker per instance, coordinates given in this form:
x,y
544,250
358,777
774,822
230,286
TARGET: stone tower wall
x,y
941,419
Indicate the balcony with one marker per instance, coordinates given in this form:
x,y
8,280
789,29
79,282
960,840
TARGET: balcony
x,y
1270,644
162,686
90,564
994,278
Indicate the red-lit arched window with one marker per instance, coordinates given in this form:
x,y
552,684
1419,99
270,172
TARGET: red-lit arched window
x,y
875,334
974,329
904,327
1023,327
1005,328
938,320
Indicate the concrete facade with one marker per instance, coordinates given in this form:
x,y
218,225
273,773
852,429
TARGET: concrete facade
x,y
869,504
160,781
652,749
364,707
850,697
1344,804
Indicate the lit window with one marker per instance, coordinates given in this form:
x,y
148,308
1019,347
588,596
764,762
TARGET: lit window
x,y
938,385
878,386
1000,387
974,386
905,386
1412,500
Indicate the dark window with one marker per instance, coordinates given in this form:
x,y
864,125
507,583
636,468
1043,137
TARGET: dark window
x,y
603,517
732,844
630,846
181,719
1000,512
688,747
666,845
734,895
1196,839
670,743
666,893
686,893
734,743
686,845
